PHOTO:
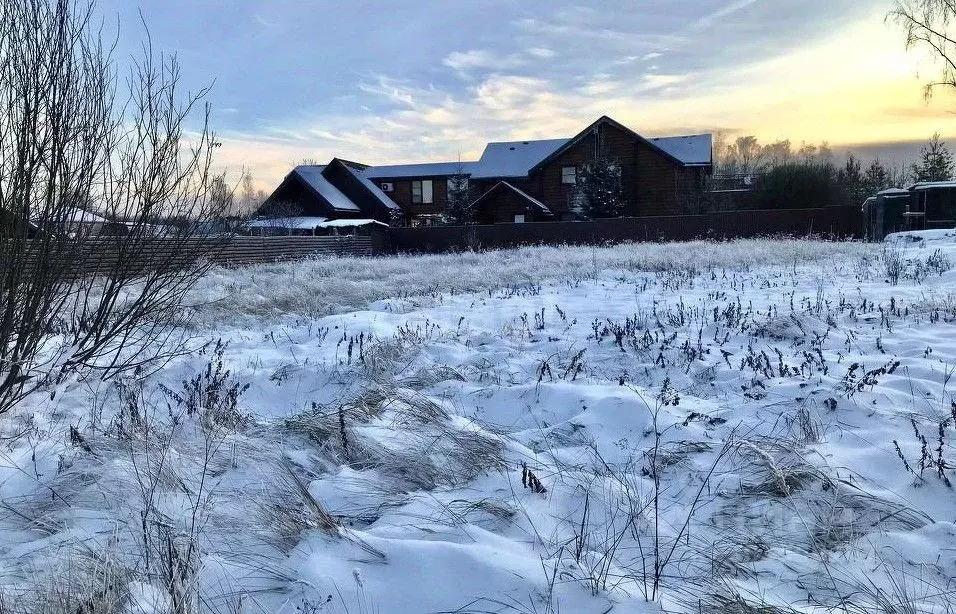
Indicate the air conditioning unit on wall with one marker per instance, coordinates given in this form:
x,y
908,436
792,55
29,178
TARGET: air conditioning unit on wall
x,y
388,187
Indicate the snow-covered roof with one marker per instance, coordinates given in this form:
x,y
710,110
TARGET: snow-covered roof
x,y
692,150
291,223
931,185
75,215
511,159
893,192
312,175
371,187
350,223
83,216
504,159
430,169
514,158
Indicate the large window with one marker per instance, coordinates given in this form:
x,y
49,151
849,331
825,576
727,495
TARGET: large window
x,y
569,175
423,192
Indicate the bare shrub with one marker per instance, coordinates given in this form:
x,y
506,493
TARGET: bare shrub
x,y
73,146
893,260
212,394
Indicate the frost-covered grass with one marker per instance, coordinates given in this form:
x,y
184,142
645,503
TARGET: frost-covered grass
x,y
327,286
747,427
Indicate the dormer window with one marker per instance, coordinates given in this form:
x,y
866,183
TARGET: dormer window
x,y
569,175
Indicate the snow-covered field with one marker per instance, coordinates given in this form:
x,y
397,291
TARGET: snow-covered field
x,y
756,426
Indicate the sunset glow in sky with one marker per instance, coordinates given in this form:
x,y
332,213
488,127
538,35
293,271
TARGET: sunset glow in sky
x,y
381,81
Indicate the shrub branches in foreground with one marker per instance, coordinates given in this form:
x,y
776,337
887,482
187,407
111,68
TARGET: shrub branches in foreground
x,y
77,144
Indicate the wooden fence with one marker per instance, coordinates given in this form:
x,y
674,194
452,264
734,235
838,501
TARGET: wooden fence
x,y
256,250
104,254
845,222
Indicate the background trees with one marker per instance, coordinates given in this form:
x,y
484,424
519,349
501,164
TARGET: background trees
x,y
780,176
250,199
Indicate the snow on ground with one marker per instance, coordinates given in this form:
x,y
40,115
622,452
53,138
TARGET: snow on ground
x,y
697,427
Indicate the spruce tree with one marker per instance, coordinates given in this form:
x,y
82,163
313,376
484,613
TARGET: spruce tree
x,y
600,187
876,178
460,209
851,178
936,162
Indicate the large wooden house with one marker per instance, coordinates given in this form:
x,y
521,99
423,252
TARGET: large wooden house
x,y
519,181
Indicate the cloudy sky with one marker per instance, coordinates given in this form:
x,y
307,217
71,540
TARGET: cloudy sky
x,y
382,81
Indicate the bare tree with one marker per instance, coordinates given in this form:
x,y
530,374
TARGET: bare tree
x,y
277,216
250,199
73,134
928,24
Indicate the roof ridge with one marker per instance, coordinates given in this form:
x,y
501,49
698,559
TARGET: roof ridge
x,y
682,136
557,138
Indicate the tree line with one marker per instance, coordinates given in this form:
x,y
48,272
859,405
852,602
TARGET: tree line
x,y
781,176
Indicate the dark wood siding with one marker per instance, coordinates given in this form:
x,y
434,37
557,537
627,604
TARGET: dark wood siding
x,y
620,146
653,183
502,207
402,195
657,178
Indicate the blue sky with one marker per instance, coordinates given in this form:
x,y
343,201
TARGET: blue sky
x,y
399,81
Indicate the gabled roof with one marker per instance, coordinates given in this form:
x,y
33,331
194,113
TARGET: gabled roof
x,y
692,150
604,120
312,177
358,171
339,188
504,185
408,171
514,158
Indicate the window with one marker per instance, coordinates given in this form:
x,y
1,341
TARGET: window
x,y
569,175
422,192
519,218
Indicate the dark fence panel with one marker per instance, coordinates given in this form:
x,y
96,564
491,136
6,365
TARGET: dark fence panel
x,y
256,250
830,221
104,254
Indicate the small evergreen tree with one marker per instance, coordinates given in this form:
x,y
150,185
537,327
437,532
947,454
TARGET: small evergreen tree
x,y
600,187
851,178
876,178
936,162
460,210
